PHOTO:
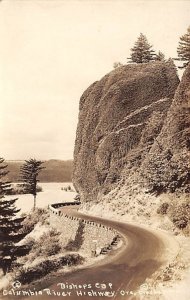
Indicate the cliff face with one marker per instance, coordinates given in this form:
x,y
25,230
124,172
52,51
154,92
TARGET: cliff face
x,y
113,115
176,129
168,162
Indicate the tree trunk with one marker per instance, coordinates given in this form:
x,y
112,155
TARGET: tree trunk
x,y
34,202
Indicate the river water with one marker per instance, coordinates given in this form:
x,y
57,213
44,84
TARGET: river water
x,y
53,192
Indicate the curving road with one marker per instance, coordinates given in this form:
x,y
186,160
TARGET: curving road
x,y
123,270
127,268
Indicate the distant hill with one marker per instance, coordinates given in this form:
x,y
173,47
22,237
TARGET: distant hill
x,y
55,170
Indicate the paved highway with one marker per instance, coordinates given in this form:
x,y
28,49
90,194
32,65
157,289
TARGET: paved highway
x,y
119,275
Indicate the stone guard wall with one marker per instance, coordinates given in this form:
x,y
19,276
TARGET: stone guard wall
x,y
95,236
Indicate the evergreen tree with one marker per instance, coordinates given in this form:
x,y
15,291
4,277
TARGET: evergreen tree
x,y
9,224
29,175
160,56
183,49
142,51
117,64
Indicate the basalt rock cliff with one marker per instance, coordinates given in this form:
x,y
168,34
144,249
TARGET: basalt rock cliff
x,y
167,164
120,118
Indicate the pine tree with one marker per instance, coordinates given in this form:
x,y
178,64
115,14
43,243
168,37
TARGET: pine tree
x,y
29,175
9,224
183,49
160,56
142,51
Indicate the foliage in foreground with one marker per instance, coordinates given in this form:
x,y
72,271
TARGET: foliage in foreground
x,y
40,215
178,212
28,275
10,224
47,244
168,172
163,208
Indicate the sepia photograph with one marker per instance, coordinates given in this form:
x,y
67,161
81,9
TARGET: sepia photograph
x,y
95,149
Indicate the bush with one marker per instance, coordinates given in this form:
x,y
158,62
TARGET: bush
x,y
48,244
36,272
39,215
21,189
163,208
68,188
51,248
47,266
180,214
167,172
29,241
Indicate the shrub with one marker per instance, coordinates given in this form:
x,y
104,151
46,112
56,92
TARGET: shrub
x,y
67,189
29,241
71,260
47,266
51,248
166,171
39,215
163,208
117,64
47,244
180,214
39,189
36,272
21,189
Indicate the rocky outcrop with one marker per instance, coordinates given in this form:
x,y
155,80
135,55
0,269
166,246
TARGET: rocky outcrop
x,y
113,115
168,163
176,130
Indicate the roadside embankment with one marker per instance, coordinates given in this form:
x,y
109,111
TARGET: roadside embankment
x,y
79,234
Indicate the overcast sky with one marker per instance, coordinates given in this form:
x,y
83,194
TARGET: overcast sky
x,y
52,50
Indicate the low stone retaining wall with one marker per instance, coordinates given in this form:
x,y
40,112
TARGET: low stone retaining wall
x,y
95,236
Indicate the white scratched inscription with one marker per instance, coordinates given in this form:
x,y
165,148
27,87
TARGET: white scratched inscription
x,y
98,289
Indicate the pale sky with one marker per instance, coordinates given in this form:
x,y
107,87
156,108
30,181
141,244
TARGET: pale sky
x,y
52,50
